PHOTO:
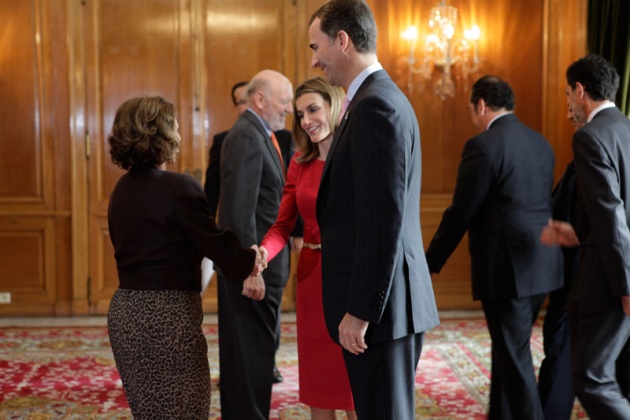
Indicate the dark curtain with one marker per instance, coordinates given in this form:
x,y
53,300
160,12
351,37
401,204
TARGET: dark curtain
x,y
609,36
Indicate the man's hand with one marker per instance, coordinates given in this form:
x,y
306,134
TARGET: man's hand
x,y
352,334
254,287
625,302
558,233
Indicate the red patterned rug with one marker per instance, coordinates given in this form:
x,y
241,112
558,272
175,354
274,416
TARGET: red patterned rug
x,y
69,373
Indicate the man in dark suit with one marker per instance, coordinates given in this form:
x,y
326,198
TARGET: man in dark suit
x,y
503,199
212,186
599,301
554,377
377,293
252,180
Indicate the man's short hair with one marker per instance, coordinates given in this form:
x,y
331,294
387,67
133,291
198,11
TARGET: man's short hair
x,y
236,86
598,76
496,93
352,16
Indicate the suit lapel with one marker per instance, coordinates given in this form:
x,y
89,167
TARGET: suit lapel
x,y
345,120
267,146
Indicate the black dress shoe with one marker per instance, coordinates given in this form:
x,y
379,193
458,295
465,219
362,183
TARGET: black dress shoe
x,y
277,377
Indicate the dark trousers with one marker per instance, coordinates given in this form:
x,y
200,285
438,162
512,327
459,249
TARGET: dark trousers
x,y
383,378
247,342
513,389
278,324
554,378
600,355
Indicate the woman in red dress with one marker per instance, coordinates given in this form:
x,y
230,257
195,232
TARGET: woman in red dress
x,y
324,384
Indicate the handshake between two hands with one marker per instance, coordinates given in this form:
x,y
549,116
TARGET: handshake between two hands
x,y
254,285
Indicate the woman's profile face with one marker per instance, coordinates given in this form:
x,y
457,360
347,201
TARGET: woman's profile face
x,y
313,113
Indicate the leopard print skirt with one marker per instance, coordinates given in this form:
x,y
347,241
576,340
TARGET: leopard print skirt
x,y
161,353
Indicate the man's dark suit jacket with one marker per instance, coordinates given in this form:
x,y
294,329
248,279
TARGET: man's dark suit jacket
x,y
252,181
503,199
212,185
602,157
368,209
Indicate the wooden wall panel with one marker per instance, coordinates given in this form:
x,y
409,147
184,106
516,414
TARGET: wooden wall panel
x,y
27,247
127,58
131,60
21,157
513,46
66,65
241,38
34,156
565,23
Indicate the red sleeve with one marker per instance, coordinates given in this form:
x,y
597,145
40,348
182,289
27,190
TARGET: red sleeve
x,y
278,235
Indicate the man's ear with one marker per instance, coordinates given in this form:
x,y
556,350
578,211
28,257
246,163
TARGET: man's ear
x,y
481,107
579,90
257,99
343,40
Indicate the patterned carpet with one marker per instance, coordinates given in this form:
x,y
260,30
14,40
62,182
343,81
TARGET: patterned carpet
x,y
69,373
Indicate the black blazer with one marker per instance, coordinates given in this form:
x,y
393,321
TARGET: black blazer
x,y
161,227
252,180
503,198
212,186
601,152
368,209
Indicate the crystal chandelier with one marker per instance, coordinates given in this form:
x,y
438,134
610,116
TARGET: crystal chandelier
x,y
441,51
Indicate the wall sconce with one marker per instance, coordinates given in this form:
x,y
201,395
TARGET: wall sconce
x,y
441,51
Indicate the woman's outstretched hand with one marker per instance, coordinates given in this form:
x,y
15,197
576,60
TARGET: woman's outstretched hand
x,y
261,262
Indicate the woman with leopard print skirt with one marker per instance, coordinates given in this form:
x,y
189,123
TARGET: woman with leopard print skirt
x,y
161,228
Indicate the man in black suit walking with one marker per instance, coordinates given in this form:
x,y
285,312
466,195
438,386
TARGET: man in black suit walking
x,y
503,199
377,293
554,377
599,301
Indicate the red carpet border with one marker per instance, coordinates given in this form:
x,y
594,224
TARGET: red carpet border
x,y
69,373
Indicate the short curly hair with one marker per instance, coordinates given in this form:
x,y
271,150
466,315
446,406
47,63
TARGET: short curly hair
x,y
143,133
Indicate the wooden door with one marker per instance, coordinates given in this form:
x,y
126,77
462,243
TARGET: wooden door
x,y
143,47
189,52
34,159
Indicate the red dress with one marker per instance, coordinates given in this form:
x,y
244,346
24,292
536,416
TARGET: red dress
x,y
323,378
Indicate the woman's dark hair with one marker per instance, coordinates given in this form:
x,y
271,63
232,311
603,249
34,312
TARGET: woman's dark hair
x,y
143,133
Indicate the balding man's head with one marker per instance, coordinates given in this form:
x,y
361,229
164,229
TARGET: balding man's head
x,y
270,94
